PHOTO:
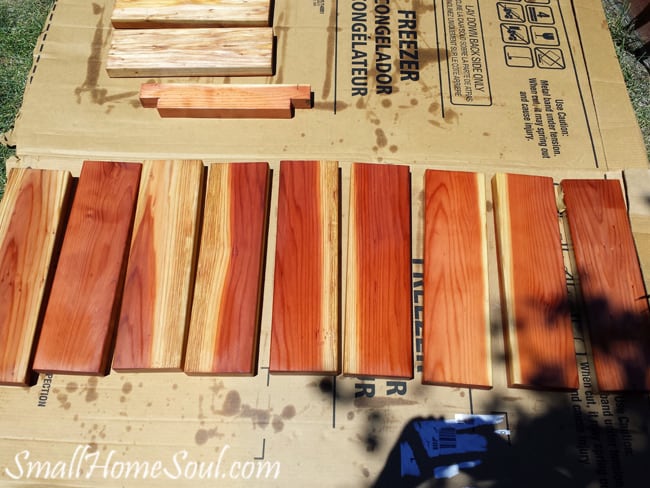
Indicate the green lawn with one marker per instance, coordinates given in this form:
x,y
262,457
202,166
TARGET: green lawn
x,y
21,22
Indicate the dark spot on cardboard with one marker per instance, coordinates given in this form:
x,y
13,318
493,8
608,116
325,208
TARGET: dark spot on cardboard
x,y
414,101
393,148
201,437
381,138
326,385
277,423
288,412
361,103
122,399
92,447
386,103
71,387
174,386
258,416
231,404
433,108
350,415
366,472
127,388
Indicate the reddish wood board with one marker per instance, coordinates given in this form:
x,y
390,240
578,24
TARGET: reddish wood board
x,y
196,100
31,216
79,322
456,335
537,321
224,327
304,334
159,280
378,339
611,284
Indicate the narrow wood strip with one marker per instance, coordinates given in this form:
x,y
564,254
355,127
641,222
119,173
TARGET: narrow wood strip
x,y
31,215
78,328
160,274
191,52
611,284
537,321
456,336
190,13
378,298
225,101
224,327
304,334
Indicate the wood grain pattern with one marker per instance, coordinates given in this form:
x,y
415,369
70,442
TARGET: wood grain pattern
x,y
159,279
225,101
31,215
191,52
224,327
611,284
456,335
304,334
190,13
79,323
537,321
378,296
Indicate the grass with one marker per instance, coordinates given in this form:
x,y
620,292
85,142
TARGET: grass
x,y
21,22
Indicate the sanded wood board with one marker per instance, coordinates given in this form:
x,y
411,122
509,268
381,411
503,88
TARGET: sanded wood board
x,y
224,326
305,322
78,328
245,51
378,338
610,282
155,311
456,335
196,100
31,219
190,13
536,313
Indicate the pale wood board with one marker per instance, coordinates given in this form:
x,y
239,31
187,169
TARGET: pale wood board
x,y
190,13
245,51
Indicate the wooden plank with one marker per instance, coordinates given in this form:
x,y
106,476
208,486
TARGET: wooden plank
x,y
224,327
305,323
246,51
611,284
536,314
378,339
159,279
79,323
456,336
225,101
31,220
129,14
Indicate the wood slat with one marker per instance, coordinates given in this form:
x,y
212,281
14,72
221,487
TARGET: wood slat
x,y
79,323
611,284
537,320
246,51
159,279
31,219
456,336
378,339
190,13
224,327
225,101
304,334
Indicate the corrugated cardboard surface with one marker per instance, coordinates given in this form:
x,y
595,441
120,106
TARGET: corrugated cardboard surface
x,y
173,430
